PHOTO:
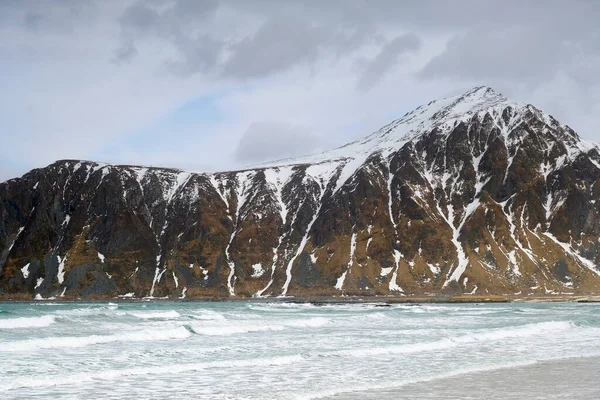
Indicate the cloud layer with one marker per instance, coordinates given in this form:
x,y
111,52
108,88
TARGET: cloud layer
x,y
222,84
264,141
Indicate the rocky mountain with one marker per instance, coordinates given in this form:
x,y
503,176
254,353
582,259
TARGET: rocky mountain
x,y
471,194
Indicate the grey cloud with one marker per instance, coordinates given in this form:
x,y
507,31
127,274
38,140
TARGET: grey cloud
x,y
444,16
193,8
56,16
199,55
285,37
32,20
387,58
522,43
267,141
291,34
421,15
140,17
490,53
124,53
164,18
173,23
279,44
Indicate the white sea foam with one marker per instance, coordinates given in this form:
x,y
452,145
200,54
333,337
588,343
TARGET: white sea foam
x,y
27,322
226,330
157,315
257,326
62,342
270,309
308,323
208,315
376,316
280,306
451,342
61,380
90,311
395,384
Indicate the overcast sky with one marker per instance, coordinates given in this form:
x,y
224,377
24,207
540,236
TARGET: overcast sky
x,y
214,85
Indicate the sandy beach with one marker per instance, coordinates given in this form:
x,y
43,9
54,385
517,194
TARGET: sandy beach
x,y
572,378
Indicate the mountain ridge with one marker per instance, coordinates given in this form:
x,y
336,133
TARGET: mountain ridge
x,y
468,194
494,99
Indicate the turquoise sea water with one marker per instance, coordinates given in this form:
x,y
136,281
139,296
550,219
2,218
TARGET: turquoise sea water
x,y
257,350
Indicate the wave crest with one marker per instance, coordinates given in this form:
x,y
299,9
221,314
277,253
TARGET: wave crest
x,y
450,342
62,342
157,315
27,322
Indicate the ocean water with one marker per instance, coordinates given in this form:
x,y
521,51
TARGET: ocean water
x,y
260,350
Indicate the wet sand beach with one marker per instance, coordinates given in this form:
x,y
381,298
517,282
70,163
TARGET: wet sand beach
x,y
574,378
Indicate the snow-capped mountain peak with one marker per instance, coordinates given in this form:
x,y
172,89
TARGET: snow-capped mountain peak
x,y
438,113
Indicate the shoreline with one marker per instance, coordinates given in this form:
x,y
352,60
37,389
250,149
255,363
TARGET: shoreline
x,y
534,379
324,300
528,379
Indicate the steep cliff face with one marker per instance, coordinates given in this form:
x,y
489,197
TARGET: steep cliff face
x,y
470,194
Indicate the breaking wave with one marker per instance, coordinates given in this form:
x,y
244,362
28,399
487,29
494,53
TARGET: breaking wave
x,y
257,326
450,342
27,322
233,330
157,315
281,307
153,370
208,315
146,335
